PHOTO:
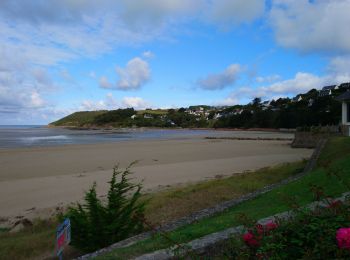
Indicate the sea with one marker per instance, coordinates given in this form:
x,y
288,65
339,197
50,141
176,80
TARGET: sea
x,y
19,136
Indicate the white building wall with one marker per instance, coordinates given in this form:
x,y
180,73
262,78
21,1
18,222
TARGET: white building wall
x,y
344,113
345,123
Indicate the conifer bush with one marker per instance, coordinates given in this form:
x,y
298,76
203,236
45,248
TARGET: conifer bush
x,y
96,224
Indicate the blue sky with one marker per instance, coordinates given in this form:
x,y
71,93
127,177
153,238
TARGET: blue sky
x,y
61,56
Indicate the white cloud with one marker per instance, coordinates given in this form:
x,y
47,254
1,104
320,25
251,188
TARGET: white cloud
x,y
220,80
338,69
36,27
312,26
229,101
156,13
148,55
268,79
302,82
135,102
134,75
241,95
110,103
42,78
21,87
89,105
229,13
104,82
36,100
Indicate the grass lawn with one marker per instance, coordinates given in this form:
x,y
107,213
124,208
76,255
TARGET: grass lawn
x,y
178,202
38,241
336,155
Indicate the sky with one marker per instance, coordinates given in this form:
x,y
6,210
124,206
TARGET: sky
x,y
62,56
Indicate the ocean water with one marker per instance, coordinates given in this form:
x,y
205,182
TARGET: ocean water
x,y
31,135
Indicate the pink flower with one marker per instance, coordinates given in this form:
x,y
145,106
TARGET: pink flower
x,y
250,240
271,226
343,238
260,229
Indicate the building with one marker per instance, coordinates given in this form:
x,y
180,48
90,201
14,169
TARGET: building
x,y
147,116
298,98
345,122
327,90
345,86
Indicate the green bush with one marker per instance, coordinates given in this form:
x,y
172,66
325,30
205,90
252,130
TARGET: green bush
x,y
310,234
96,224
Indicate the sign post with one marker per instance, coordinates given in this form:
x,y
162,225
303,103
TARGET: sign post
x,y
63,237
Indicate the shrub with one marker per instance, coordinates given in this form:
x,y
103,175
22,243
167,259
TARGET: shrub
x,y
96,224
322,233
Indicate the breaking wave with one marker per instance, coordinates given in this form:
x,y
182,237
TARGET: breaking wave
x,y
44,138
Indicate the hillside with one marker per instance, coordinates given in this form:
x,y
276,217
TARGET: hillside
x,y
78,118
316,107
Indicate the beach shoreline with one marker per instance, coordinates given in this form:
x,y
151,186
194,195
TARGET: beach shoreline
x,y
36,181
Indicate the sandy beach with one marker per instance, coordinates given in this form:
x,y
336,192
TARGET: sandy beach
x,y
34,180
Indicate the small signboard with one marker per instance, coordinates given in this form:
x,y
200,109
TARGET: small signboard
x,y
63,236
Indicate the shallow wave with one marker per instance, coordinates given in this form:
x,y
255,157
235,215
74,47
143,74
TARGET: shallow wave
x,y
43,138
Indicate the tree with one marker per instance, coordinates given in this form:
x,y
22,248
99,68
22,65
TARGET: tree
x,y
96,224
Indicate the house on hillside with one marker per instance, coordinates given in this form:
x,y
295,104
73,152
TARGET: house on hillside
x,y
311,102
298,98
344,86
327,90
266,105
345,122
218,115
147,116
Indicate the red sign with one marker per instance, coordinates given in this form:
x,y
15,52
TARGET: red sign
x,y
62,236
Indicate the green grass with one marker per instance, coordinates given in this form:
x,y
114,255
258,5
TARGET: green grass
x,y
153,112
29,242
34,242
178,202
336,154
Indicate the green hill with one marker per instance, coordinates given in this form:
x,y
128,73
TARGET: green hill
x,y
313,108
82,118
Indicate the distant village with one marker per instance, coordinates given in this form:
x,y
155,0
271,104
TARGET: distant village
x,y
217,112
316,107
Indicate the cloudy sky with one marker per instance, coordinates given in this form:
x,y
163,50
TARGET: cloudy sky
x,y
61,56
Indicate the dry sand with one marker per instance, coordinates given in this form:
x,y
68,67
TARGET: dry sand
x,y
34,180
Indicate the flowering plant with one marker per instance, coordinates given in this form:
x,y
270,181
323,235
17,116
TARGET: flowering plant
x,y
343,238
253,237
320,233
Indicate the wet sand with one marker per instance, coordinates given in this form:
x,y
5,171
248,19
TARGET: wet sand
x,y
33,180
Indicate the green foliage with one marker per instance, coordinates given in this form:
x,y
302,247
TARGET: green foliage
x,y
79,118
285,113
310,234
96,224
118,116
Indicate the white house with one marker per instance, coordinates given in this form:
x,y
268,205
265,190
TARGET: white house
x,y
327,90
345,99
147,116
